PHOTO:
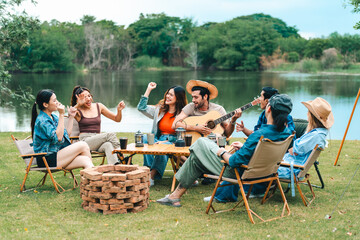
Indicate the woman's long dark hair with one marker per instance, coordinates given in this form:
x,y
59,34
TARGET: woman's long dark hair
x,y
280,118
181,100
42,97
76,91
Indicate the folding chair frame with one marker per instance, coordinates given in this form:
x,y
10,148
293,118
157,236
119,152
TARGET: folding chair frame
x,y
270,179
305,177
47,170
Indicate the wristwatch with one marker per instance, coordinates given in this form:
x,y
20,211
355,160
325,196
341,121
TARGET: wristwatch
x,y
221,154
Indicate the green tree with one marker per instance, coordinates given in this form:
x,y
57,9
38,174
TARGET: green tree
x,y
48,50
157,35
14,30
279,25
315,47
236,44
356,5
292,44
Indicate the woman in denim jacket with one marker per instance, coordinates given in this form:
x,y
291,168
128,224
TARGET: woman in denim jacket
x,y
50,136
164,114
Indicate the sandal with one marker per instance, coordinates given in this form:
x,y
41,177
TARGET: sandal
x,y
169,202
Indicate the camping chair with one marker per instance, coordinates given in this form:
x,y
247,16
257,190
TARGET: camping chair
x,y
300,128
27,153
74,137
262,167
303,176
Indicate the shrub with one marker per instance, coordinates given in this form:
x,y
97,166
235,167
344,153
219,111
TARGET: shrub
x,y
329,58
147,62
293,57
309,65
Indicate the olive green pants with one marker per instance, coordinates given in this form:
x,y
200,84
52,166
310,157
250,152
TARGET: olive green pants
x,y
203,159
102,142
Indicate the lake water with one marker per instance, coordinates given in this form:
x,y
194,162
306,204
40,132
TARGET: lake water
x,y
235,90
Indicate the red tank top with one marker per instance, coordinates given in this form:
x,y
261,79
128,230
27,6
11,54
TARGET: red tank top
x,y
90,125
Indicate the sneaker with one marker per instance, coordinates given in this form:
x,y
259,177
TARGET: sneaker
x,y
196,183
152,182
207,199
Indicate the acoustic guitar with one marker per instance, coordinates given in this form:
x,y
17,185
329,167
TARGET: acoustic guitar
x,y
208,121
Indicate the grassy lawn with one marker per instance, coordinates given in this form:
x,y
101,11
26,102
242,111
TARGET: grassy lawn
x,y
45,214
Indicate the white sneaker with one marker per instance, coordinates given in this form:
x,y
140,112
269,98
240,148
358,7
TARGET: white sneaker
x,y
152,182
207,199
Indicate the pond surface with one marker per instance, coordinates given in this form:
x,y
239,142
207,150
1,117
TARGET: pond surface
x,y
235,90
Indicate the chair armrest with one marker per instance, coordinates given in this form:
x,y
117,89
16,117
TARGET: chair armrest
x,y
283,164
74,138
33,155
242,166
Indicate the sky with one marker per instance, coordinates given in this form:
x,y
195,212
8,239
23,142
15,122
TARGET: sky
x,y
313,18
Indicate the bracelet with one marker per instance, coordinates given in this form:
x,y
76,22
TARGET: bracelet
x,y
221,154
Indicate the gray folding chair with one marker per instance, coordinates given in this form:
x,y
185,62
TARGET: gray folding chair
x,y
27,154
262,167
303,176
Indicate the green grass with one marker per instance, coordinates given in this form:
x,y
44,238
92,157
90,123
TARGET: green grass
x,y
44,214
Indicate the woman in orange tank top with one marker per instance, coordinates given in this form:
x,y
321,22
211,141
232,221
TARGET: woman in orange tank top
x,y
163,115
89,119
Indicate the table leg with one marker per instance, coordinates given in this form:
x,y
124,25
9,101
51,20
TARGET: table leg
x,y
175,165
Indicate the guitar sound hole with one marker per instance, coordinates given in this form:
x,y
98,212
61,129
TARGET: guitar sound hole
x,y
211,124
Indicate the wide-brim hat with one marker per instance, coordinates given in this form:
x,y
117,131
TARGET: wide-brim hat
x,y
212,89
321,109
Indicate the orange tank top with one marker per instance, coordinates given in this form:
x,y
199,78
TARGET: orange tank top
x,y
166,123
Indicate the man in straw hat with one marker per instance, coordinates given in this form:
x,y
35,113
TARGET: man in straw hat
x,y
202,92
320,119
205,155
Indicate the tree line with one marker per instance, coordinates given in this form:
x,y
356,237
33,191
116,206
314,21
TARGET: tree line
x,y
246,43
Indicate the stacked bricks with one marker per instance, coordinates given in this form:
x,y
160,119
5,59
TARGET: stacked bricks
x,y
115,189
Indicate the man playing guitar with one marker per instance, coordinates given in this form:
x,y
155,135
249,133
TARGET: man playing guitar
x,y
201,93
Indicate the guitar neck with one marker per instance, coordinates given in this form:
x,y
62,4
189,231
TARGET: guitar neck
x,y
229,115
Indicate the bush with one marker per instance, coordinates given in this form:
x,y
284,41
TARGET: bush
x,y
146,61
293,57
309,65
329,58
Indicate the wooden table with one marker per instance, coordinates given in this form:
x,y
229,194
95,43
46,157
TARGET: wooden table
x,y
159,149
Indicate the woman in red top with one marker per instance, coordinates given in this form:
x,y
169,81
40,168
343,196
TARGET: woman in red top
x,y
89,118
164,114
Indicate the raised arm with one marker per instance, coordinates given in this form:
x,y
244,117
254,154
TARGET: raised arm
x,y
229,127
107,113
71,112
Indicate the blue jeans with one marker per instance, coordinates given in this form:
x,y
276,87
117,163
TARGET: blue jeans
x,y
230,193
157,162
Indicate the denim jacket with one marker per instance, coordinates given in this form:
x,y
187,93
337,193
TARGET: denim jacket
x,y
45,138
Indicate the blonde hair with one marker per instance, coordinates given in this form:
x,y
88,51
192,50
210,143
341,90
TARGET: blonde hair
x,y
313,122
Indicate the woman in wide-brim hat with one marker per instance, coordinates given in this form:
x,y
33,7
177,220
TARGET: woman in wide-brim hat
x,y
320,118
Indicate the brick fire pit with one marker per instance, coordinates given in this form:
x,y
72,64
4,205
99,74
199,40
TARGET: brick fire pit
x,y
115,189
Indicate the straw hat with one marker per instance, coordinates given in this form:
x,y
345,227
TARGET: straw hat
x,y
212,89
321,109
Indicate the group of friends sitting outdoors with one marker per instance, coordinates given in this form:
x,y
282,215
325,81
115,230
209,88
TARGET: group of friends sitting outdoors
x,y
275,123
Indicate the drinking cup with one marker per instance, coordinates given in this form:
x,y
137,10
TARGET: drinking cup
x,y
150,138
221,141
188,140
123,142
